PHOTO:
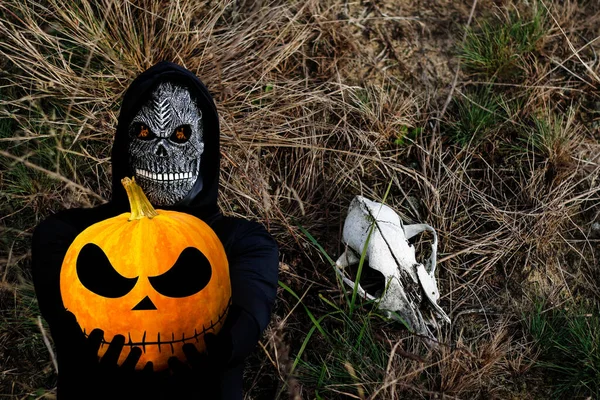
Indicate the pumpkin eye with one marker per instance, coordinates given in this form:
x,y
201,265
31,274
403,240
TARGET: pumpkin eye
x,y
97,274
181,134
189,275
142,131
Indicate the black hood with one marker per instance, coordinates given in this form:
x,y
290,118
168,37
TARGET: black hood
x,y
202,200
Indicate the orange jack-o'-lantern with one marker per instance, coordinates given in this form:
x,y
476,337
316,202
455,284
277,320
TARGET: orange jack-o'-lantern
x,y
159,278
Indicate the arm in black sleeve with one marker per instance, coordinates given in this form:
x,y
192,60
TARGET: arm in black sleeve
x,y
50,242
253,257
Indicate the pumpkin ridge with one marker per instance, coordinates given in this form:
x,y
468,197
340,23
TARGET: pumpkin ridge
x,y
165,232
196,231
201,229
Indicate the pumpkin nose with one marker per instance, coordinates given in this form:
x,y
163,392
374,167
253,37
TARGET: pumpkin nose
x,y
145,304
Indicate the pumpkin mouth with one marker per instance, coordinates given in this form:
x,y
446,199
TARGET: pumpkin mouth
x,y
158,342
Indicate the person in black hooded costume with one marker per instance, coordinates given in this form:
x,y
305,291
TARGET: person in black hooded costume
x,y
168,139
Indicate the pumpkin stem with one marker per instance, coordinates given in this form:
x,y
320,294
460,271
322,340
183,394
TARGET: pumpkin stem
x,y
139,203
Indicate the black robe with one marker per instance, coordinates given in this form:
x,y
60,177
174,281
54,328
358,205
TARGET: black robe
x,y
251,252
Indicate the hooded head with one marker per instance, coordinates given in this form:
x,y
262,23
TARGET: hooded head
x,y
168,138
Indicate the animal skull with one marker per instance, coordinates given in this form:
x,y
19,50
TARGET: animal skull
x,y
389,252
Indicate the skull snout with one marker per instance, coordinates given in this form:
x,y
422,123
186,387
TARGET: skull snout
x,y
378,231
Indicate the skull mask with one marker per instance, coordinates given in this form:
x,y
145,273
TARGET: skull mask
x,y
166,144
389,252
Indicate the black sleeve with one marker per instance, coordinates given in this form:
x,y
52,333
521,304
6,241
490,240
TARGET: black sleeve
x,y
253,257
50,242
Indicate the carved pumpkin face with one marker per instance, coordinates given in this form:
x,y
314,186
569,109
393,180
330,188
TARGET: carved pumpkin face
x,y
160,282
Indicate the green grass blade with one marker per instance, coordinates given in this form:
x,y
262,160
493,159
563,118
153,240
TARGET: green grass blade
x,y
329,259
314,241
308,312
307,339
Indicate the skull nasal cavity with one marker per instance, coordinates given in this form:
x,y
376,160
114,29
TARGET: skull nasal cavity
x,y
161,151
145,304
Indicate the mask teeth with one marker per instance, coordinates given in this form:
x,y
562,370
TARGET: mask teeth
x,y
167,177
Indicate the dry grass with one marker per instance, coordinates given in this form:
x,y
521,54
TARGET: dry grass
x,y
320,101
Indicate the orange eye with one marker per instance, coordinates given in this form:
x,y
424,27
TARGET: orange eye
x,y
181,134
144,131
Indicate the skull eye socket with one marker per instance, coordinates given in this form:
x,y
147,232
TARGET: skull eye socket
x,y
189,275
142,131
98,275
181,134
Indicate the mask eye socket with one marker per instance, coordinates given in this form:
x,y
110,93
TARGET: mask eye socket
x,y
181,134
142,131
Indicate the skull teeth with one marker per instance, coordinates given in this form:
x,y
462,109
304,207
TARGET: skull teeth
x,y
163,177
